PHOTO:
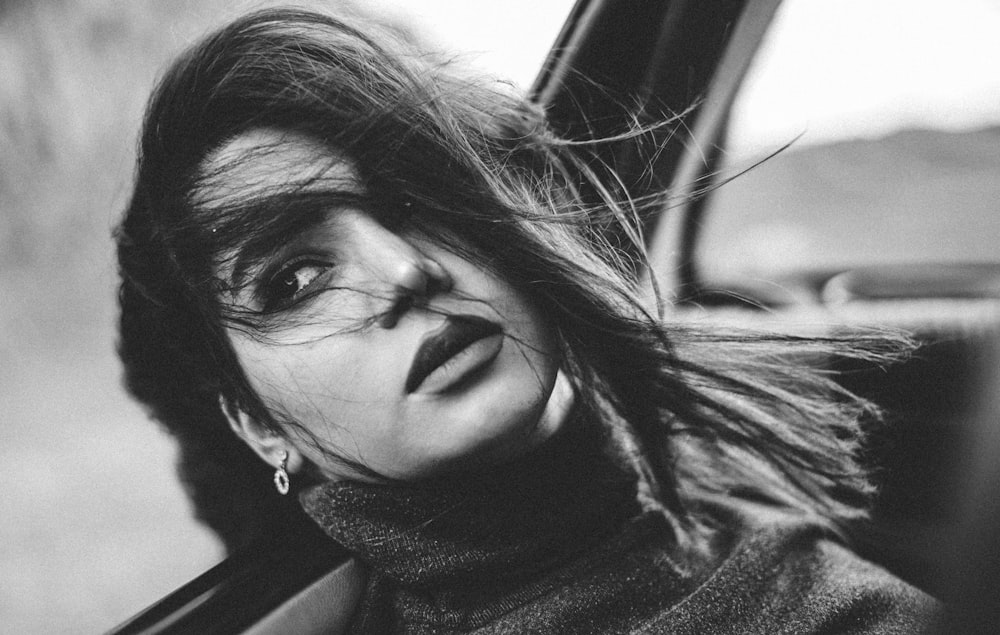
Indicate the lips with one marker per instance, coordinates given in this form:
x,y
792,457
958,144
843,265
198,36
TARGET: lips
x,y
458,334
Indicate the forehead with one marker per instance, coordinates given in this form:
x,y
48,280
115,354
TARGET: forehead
x,y
262,161
263,187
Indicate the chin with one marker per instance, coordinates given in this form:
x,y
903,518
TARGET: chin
x,y
493,432
495,420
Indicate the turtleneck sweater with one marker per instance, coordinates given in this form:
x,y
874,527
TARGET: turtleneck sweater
x,y
556,543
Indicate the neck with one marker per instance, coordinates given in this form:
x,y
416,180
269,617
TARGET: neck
x,y
492,528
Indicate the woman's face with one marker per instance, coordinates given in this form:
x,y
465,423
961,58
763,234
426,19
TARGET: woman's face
x,y
383,347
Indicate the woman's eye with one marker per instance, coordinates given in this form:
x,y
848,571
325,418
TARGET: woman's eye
x,y
289,284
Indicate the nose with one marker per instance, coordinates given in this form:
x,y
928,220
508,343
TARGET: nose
x,y
413,278
419,276
410,275
404,273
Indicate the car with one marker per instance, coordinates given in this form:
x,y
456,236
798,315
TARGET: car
x,y
617,62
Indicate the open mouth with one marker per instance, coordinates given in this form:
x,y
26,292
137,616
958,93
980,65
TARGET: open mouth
x,y
461,346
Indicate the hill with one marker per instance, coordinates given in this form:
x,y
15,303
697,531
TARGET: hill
x,y
914,196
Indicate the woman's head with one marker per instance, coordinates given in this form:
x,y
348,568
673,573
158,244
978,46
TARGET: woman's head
x,y
317,224
322,217
364,338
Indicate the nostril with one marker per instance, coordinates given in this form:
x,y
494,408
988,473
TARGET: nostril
x,y
402,303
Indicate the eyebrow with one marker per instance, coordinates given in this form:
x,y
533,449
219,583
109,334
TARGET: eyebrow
x,y
286,218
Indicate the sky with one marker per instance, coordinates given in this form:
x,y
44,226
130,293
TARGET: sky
x,y
829,68
848,68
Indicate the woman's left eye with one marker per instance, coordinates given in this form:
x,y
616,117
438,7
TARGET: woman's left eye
x,y
292,282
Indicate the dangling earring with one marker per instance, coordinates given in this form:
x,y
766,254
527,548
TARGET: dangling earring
x,y
281,474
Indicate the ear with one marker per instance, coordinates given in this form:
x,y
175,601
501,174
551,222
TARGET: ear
x,y
266,443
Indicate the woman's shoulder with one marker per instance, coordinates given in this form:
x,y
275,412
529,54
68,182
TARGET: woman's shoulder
x,y
783,571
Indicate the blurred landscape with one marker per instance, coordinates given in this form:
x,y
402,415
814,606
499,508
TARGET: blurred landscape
x,y
93,525
914,196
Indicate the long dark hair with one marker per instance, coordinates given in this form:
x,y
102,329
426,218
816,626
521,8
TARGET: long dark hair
x,y
478,170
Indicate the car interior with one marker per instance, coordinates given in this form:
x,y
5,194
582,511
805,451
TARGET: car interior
x,y
935,457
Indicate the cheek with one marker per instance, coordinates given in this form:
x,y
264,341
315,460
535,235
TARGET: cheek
x,y
339,401
325,387
536,341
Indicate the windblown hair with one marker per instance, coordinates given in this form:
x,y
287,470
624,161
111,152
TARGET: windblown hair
x,y
477,169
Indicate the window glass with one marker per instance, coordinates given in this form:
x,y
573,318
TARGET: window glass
x,y
892,109
93,523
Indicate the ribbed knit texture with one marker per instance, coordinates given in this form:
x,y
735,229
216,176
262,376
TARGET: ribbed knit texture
x,y
557,544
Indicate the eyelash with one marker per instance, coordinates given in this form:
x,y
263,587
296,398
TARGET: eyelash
x,y
273,292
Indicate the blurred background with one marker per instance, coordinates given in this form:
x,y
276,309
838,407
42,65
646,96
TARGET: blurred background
x,y
897,104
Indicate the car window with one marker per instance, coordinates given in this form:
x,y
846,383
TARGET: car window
x,y
892,110
93,523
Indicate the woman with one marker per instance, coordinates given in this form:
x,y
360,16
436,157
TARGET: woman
x,y
379,282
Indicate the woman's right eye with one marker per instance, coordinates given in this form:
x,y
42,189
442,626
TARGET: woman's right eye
x,y
292,282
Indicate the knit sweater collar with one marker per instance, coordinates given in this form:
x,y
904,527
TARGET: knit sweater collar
x,y
492,529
